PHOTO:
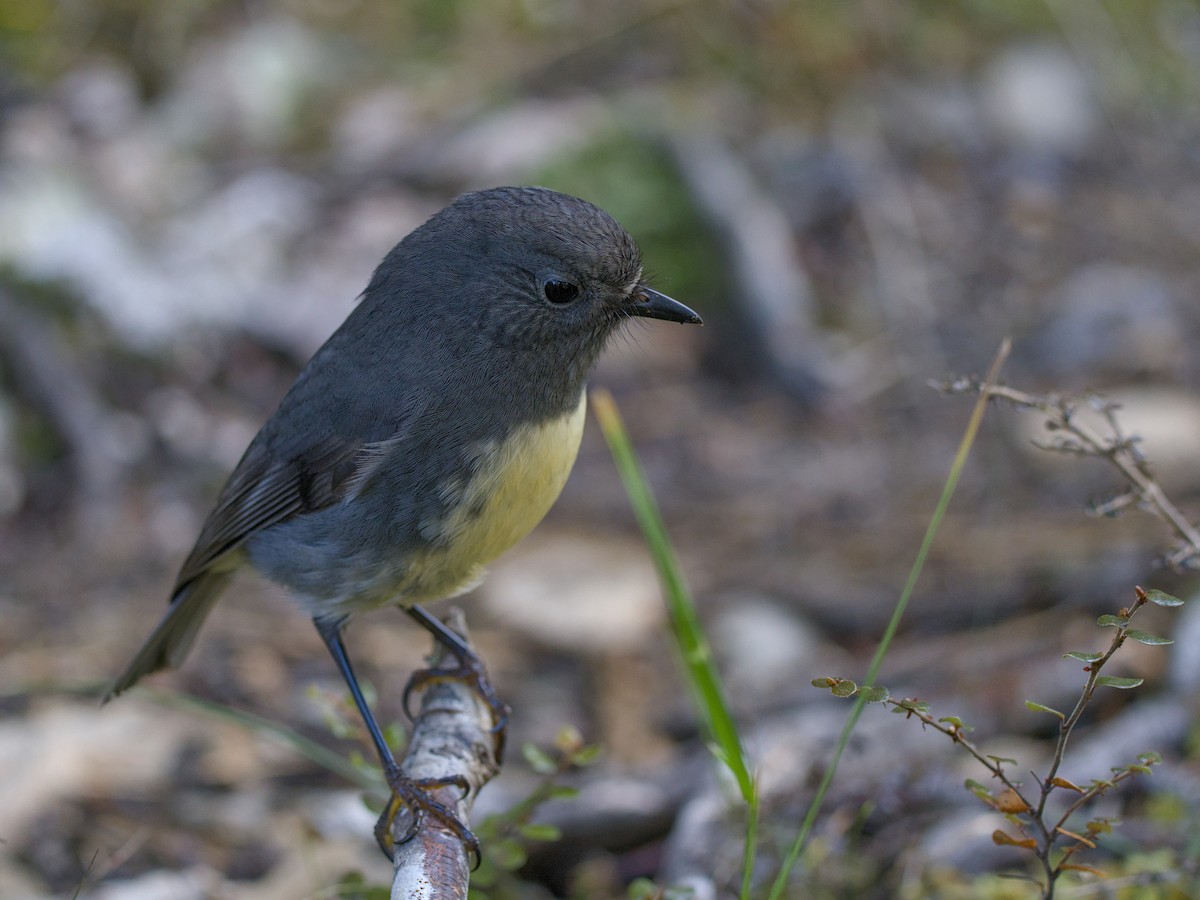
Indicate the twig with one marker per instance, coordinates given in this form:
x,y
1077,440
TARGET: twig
x,y
452,738
1119,449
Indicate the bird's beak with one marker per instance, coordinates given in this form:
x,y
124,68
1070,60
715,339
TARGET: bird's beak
x,y
653,305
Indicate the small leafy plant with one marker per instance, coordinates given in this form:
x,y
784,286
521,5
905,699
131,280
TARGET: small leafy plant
x,y
507,836
1051,836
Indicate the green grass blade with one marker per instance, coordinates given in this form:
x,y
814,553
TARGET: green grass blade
x,y
693,645
690,639
960,461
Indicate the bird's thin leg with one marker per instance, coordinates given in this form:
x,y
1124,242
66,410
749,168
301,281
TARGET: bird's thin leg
x,y
407,792
470,667
331,633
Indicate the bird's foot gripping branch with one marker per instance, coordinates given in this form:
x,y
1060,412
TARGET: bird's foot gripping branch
x,y
425,826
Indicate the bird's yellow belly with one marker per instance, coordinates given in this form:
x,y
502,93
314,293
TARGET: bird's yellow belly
x,y
513,488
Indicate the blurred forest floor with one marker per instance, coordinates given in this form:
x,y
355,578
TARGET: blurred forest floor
x,y
859,198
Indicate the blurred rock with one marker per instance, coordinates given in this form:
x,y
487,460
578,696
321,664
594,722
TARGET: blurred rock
x,y
196,883
613,809
764,652
16,883
1184,670
339,814
888,762
701,847
128,156
101,97
934,115
178,419
1110,318
54,229
1160,724
229,259
373,130
36,135
578,594
885,760
961,841
1039,100
632,694
696,887
145,178
43,758
551,695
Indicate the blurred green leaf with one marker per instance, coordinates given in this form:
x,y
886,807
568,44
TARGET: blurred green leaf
x,y
1122,683
1114,621
354,886
540,831
1084,657
395,734
1038,707
875,693
1163,599
1143,638
979,790
585,756
643,889
538,760
844,688
508,854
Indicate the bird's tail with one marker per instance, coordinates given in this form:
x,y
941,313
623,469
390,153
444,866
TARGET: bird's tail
x,y
169,643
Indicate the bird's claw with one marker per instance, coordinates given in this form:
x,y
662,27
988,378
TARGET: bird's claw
x,y
413,795
469,669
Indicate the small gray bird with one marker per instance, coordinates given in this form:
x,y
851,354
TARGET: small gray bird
x,y
429,434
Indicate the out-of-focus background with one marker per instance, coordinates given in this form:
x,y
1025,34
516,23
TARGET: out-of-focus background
x,y
859,197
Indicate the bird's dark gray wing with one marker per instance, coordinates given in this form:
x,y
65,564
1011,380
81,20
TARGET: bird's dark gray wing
x,y
266,489
322,443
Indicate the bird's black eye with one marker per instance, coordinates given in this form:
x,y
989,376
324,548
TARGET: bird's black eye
x,y
559,291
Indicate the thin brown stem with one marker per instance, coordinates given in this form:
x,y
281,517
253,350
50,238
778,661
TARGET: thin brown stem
x,y
1117,448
